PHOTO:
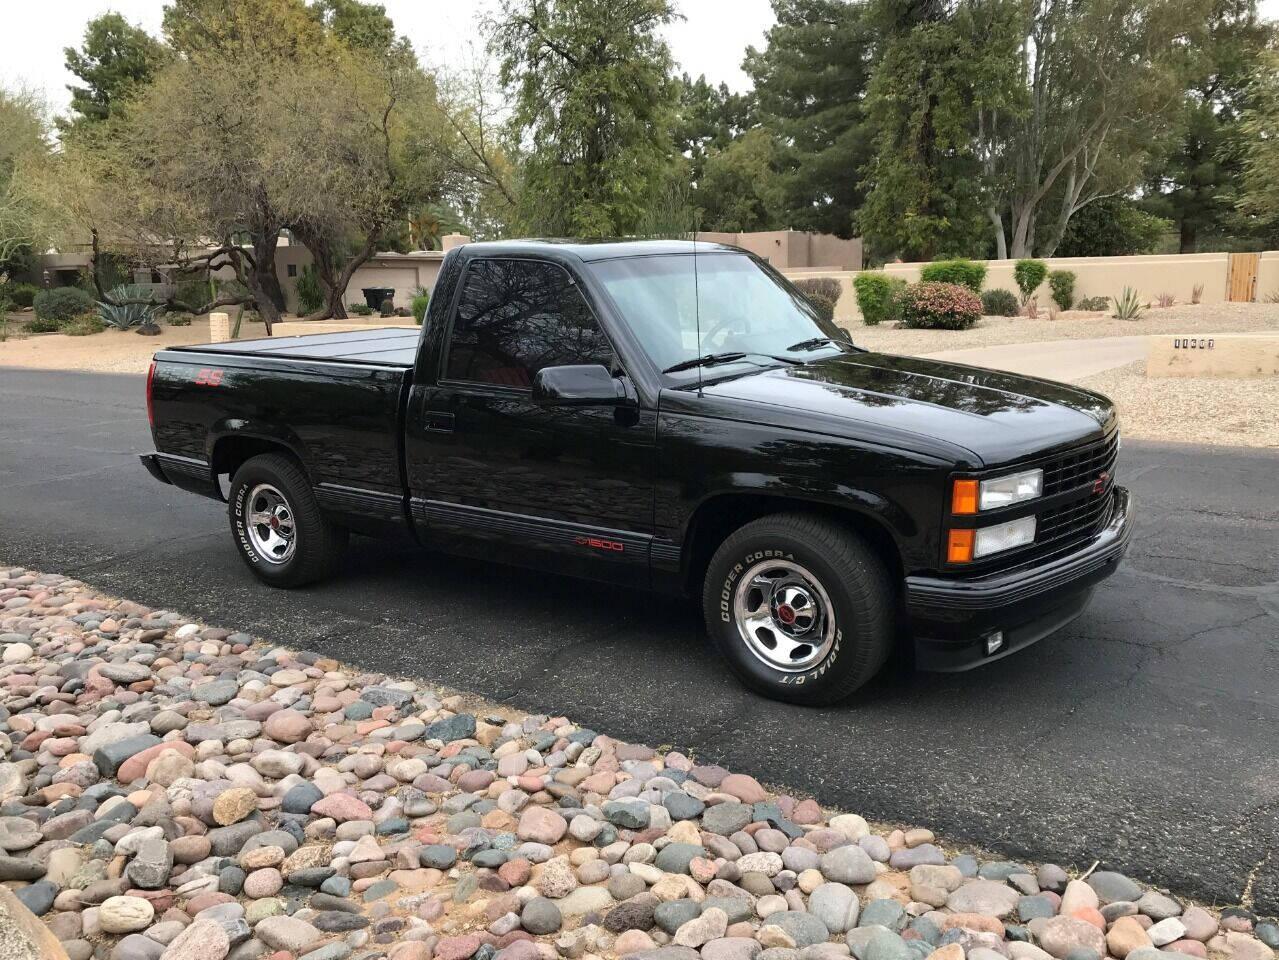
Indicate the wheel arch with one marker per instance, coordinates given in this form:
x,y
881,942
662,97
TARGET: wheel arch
x,y
719,515
232,448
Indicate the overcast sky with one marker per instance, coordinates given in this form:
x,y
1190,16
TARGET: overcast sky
x,y
711,39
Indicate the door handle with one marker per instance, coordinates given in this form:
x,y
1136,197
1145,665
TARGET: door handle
x,y
438,422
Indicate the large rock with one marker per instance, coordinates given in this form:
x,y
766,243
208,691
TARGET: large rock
x,y
848,864
22,936
835,905
1060,935
125,914
286,933
202,940
541,825
108,757
984,896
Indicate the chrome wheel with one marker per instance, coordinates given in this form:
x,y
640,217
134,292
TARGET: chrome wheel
x,y
784,615
269,524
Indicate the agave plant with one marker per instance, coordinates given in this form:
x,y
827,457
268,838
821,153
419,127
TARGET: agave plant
x,y
124,316
1127,306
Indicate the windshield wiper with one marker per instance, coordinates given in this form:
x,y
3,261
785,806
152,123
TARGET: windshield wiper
x,y
711,359
816,342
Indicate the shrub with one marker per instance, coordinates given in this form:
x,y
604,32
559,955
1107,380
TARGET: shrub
x,y
310,293
824,306
22,294
61,304
359,309
1062,285
1093,303
1029,274
420,303
1127,306
966,273
878,296
178,319
999,303
827,288
388,307
940,306
84,325
193,292
1196,293
1166,299
126,315
38,324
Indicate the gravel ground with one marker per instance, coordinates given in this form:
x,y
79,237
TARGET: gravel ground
x,y
114,351
1192,409
1187,318
172,791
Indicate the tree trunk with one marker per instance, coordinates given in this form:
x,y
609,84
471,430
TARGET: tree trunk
x,y
1001,242
1187,237
263,280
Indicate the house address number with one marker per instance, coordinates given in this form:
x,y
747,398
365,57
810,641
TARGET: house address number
x,y
1192,343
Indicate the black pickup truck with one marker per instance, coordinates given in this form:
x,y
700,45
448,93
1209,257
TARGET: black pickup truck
x,y
677,418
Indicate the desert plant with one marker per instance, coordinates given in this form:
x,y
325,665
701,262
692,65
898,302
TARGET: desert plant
x,y
420,302
310,293
966,273
1093,303
827,287
1165,299
999,303
824,306
1062,285
178,319
21,294
1053,313
195,292
1030,309
123,316
388,307
359,309
939,306
1029,274
60,304
42,325
1197,293
878,296
1127,306
84,325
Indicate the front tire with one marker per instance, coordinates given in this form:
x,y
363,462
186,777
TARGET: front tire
x,y
800,607
276,523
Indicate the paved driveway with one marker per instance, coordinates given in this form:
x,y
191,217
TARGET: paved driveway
x,y
1069,360
1146,735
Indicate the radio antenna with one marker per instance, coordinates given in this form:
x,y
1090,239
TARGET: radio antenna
x,y
697,304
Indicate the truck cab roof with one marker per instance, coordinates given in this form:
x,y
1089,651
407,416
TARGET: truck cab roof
x,y
589,250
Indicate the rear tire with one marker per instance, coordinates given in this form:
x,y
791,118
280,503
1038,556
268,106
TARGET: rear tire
x,y
276,523
801,608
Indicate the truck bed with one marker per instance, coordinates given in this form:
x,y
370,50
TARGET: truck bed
x,y
384,346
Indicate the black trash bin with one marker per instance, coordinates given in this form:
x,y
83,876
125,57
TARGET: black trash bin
x,y
374,296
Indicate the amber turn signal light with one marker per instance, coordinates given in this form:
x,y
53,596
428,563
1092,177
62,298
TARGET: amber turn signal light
x,y
959,546
963,498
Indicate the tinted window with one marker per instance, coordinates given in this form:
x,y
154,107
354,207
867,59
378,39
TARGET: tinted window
x,y
515,317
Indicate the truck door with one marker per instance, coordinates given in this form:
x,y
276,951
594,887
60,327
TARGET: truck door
x,y
492,473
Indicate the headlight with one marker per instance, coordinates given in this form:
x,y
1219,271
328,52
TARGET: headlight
x,y
968,544
970,496
1014,488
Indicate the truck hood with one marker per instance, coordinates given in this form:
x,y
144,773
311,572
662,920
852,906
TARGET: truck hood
x,y
997,416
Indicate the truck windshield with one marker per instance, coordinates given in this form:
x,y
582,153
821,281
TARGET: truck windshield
x,y
744,309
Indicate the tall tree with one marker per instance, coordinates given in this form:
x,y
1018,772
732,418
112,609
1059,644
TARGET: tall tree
x,y
593,104
741,188
1100,88
709,117
1258,200
1194,184
115,59
809,83
936,69
24,151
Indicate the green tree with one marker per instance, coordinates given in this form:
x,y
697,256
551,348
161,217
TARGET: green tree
x,y
24,151
594,102
1113,227
709,117
740,188
115,59
936,71
1258,199
360,26
809,84
1194,184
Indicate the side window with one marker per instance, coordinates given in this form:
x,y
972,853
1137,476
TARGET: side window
x,y
515,317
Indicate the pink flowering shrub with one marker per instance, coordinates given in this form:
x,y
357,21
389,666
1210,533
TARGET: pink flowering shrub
x,y
939,306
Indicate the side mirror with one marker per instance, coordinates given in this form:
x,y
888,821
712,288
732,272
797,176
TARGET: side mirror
x,y
587,384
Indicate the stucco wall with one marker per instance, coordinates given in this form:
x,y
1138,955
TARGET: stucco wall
x,y
794,249
400,272
1150,276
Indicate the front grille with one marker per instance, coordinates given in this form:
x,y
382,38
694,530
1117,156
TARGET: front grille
x,y
1081,466
1077,520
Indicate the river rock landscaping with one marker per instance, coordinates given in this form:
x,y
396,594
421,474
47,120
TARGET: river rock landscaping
x,y
172,791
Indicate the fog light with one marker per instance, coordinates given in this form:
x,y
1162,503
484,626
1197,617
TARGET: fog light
x,y
994,641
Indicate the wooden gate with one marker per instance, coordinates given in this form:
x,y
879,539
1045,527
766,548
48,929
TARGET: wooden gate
x,y
1242,283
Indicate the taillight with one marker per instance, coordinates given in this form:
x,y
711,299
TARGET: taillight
x,y
150,400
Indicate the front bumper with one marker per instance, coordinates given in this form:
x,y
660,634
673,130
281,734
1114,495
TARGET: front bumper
x,y
950,619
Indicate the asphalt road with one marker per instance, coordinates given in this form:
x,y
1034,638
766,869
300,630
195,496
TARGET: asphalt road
x,y
1145,736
